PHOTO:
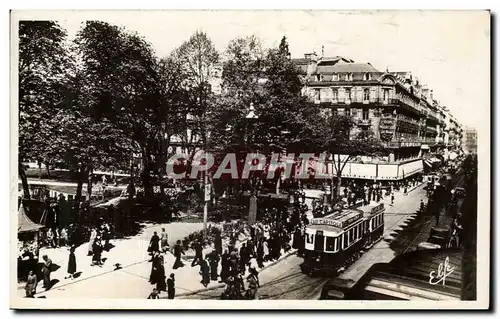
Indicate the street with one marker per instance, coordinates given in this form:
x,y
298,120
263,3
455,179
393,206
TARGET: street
x,y
286,281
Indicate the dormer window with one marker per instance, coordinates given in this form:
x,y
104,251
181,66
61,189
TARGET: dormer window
x,y
319,77
335,77
368,76
348,77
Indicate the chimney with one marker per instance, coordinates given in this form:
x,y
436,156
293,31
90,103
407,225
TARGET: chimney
x,y
313,63
311,56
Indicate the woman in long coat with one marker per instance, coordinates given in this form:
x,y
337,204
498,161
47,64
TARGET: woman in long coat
x,y
155,266
161,285
225,264
31,284
71,262
97,247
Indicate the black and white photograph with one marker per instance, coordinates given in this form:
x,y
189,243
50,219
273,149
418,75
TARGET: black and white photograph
x,y
247,159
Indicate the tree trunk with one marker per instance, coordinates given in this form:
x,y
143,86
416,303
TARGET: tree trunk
x,y
24,181
82,174
145,176
39,169
48,170
332,187
337,190
89,186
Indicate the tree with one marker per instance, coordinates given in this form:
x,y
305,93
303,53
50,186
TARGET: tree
x,y
43,65
339,141
269,81
123,85
199,61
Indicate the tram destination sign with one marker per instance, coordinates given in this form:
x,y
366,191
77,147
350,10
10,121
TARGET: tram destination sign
x,y
339,223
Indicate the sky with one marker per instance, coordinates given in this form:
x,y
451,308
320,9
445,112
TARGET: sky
x,y
447,50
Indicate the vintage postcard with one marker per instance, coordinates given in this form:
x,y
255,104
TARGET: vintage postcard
x,y
250,159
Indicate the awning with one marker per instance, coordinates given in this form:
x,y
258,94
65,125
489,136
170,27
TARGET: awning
x,y
25,224
428,163
425,147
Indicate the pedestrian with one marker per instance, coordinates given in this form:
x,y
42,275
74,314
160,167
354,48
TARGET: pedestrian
x,y
422,205
204,272
106,235
154,244
218,242
260,254
50,238
63,238
198,253
71,263
97,249
233,259
244,258
46,269
93,236
253,284
392,198
164,240
155,266
267,251
178,252
31,283
161,285
250,249
171,286
154,294
213,259
225,264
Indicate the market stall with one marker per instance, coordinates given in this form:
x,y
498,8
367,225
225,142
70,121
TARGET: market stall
x,y
28,242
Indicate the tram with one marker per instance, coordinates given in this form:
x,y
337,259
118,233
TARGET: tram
x,y
335,241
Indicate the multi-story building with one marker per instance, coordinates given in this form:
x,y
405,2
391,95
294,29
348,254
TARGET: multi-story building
x,y
400,112
470,143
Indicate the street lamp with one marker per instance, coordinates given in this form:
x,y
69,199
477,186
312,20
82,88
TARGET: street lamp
x,y
252,209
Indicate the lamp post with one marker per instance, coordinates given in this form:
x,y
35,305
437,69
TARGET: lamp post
x,y
252,209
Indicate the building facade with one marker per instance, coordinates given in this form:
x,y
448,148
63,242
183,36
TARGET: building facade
x,y
470,143
400,112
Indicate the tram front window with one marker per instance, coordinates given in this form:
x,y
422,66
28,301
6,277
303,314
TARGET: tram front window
x,y
330,243
319,243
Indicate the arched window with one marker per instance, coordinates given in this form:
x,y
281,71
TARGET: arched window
x,y
335,77
368,77
348,77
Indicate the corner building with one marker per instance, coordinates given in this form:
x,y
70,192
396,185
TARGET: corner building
x,y
402,114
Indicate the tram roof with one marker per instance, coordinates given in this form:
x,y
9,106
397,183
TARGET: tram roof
x,y
343,215
341,219
328,229
371,209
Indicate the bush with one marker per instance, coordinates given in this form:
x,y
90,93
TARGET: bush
x,y
239,227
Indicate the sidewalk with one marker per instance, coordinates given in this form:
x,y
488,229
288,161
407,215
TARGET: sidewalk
x,y
131,281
